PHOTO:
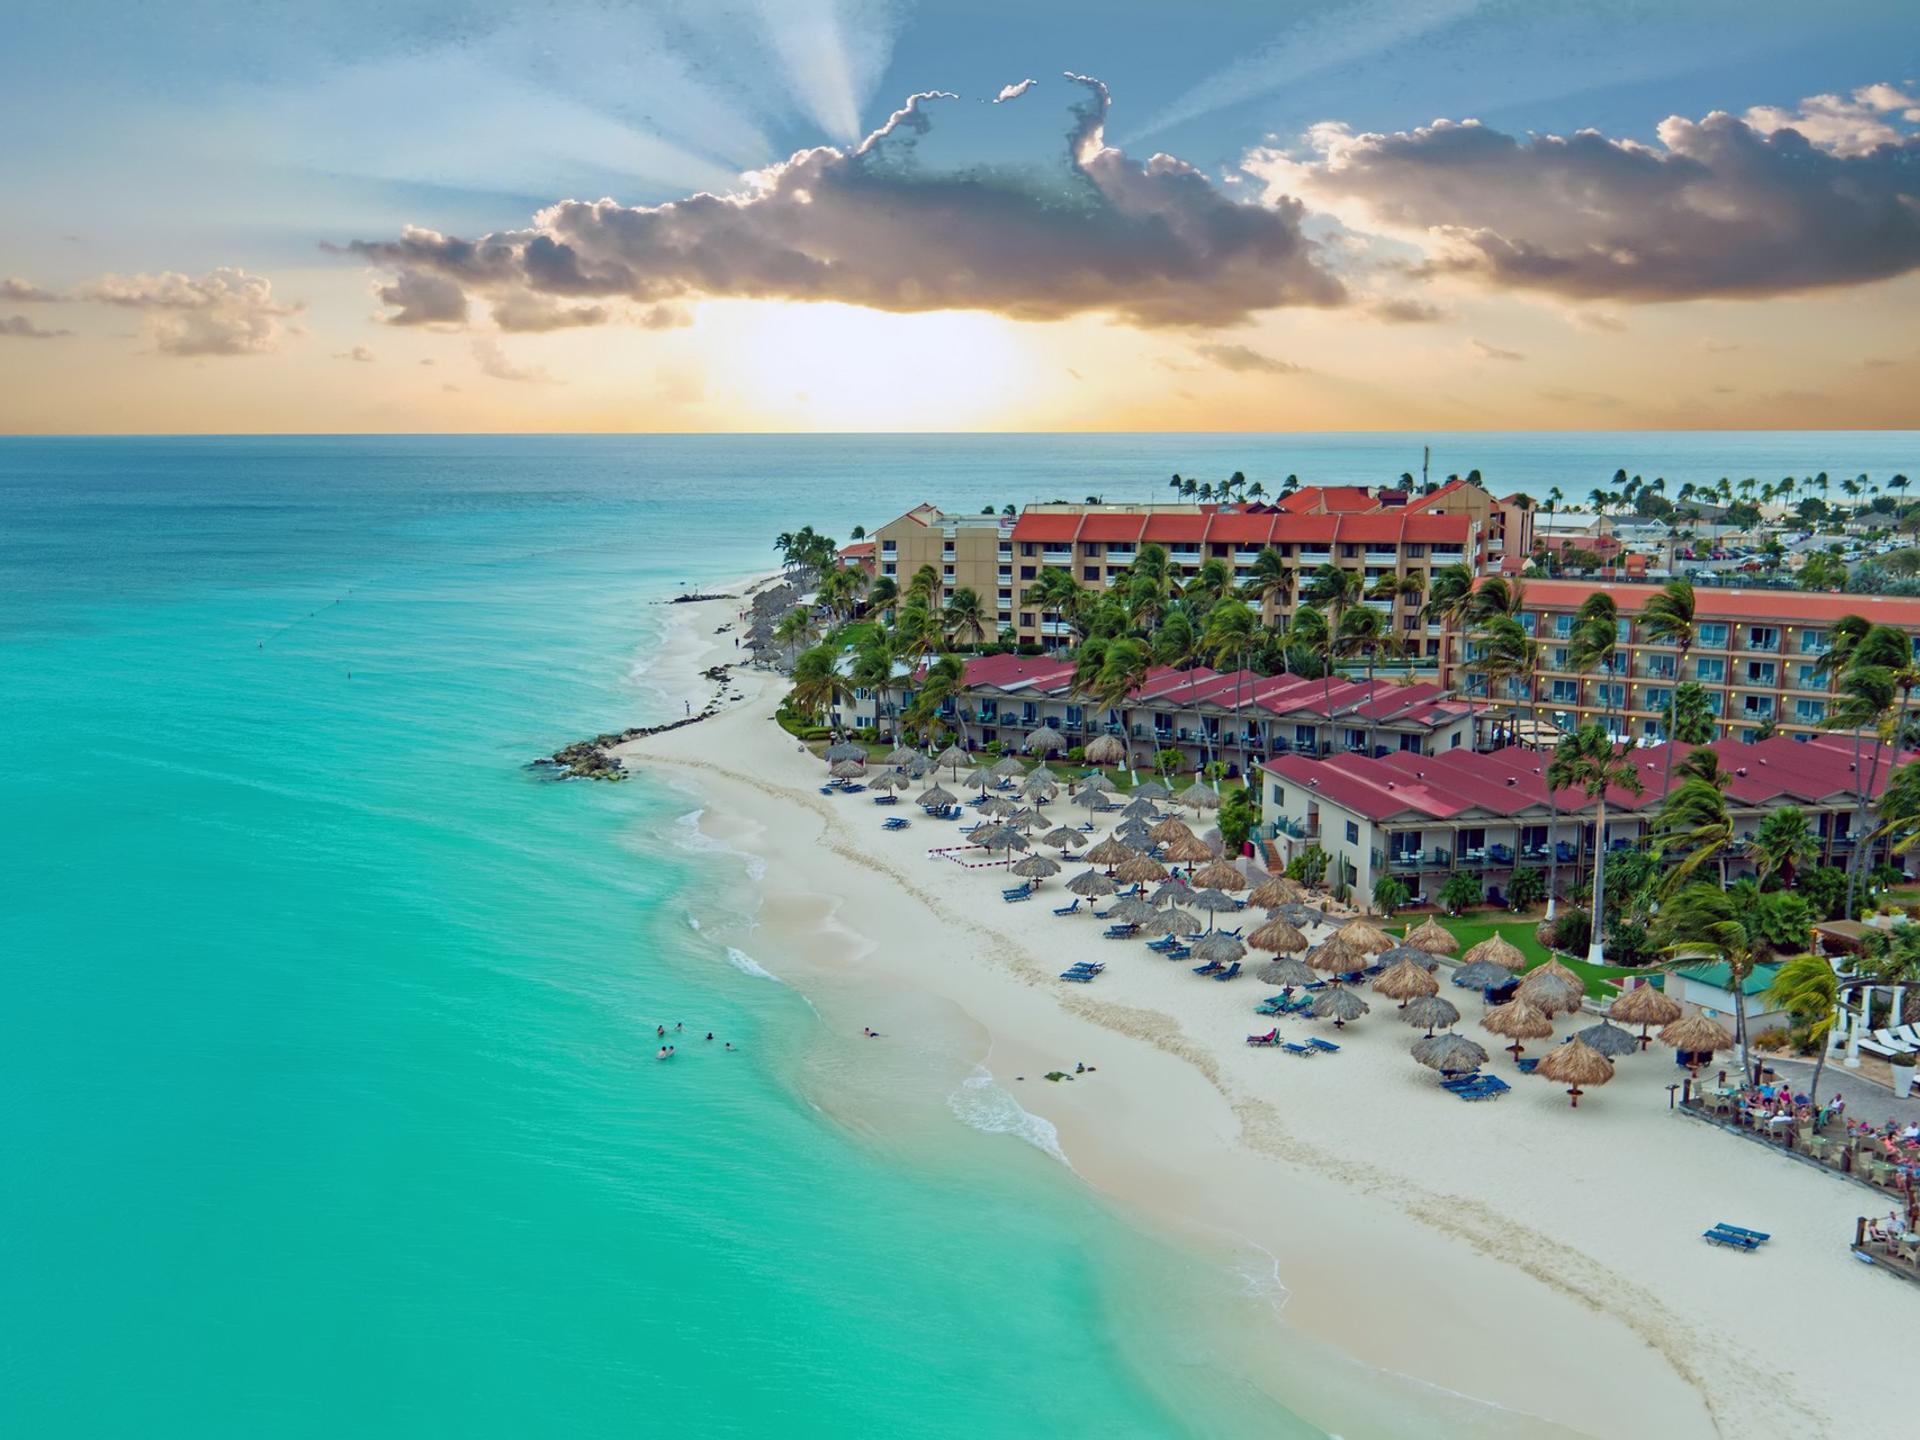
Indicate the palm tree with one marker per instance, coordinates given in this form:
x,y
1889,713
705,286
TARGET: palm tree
x,y
1363,631
1668,616
1271,583
818,684
1212,580
1109,671
1450,599
1507,655
966,618
794,629
1233,630
1596,642
1055,591
883,594
1704,921
916,629
1333,590
1783,843
1586,761
945,679
873,670
1694,816
1807,989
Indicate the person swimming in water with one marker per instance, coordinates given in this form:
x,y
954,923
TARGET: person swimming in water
x,y
660,1031
665,1052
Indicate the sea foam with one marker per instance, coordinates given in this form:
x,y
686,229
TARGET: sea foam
x,y
990,1108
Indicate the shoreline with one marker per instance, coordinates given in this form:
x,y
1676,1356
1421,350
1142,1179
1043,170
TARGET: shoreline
x,y
1407,1229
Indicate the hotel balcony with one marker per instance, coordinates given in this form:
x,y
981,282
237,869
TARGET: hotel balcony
x,y
1119,555
1055,627
1382,554
1447,556
1057,555
1245,557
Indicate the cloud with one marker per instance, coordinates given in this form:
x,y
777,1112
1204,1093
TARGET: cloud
x,y
493,362
224,312
25,292
665,317
524,311
1243,360
1494,352
19,327
1718,208
1087,230
1591,399
359,352
419,297
1014,92
1844,126
1405,311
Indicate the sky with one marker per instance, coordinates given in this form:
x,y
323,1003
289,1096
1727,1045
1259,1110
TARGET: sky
x,y
955,215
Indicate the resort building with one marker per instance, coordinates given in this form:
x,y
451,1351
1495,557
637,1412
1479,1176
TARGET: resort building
x,y
973,552
1421,818
1237,717
1756,652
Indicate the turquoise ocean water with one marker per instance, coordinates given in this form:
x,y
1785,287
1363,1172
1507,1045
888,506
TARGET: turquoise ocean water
x,y
326,1083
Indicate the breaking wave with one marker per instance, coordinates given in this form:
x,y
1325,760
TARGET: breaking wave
x,y
990,1108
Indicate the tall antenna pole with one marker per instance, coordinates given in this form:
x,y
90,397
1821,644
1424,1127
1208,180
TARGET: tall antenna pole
x,y
1426,459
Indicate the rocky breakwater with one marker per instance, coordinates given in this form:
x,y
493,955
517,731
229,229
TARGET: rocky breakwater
x,y
594,759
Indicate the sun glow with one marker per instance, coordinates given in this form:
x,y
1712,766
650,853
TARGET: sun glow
x,y
837,367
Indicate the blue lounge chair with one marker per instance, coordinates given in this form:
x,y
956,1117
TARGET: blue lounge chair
x,y
1733,1239
1528,1065
1073,909
1317,1043
1122,931
1079,977
886,799
896,822
829,789
1759,1237
1231,972
1162,945
1180,952
1212,967
855,789
1019,892
1293,1049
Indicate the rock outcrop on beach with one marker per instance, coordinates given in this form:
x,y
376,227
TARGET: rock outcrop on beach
x,y
594,759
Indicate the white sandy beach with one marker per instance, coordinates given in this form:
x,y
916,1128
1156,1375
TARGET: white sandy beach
x,y
1545,1261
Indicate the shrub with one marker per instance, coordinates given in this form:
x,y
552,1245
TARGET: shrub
x,y
1309,867
1389,894
1629,943
1773,1039
1824,888
1239,813
1529,887
1077,755
1461,891
1573,933
995,749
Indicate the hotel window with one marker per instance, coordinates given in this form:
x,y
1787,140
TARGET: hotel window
x,y
1562,627
1279,796
1659,699
1026,547
1416,552
1027,572
1762,637
1565,692
1714,636
887,547
1026,619
1091,547
1529,621
1717,701
1760,672
1306,737
888,568
1810,712
1809,677
946,572
1757,706
1623,630
1559,657
1815,642
1613,695
1353,833
1711,672
1089,572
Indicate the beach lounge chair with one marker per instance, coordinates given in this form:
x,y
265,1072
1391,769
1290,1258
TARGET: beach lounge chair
x,y
1293,1049
1212,967
885,799
855,789
1317,1043
1162,945
1231,972
1759,1237
896,822
1121,931
1079,977
1180,952
1272,1005
1894,1042
1528,1065
1019,892
1073,909
1271,1038
829,789
1732,1239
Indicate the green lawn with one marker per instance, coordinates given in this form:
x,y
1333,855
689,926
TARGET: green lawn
x,y
1470,930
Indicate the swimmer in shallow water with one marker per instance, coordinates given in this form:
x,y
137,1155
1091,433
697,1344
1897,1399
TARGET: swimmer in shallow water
x,y
665,1052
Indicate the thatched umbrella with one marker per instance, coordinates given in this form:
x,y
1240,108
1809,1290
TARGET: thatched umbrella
x,y
1220,875
1133,909
1033,789
919,765
980,775
1277,890
1007,767
954,757
1133,833
1334,956
1697,1035
1026,820
1110,852
1449,1053
1000,837
1213,902
1575,1064
1106,750
1286,972
1219,948
1165,922
1551,966
1096,781
1091,884
1433,1011
998,806
934,796
1499,950
1364,936
1188,850
845,750
1137,809
1411,955
1407,981
1065,838
888,780
1338,1004
901,755
1551,994
1151,790
1198,797
1046,740
1277,936
1183,922
846,769
1645,1005
1482,975
1171,828
1434,938
1517,1020
1609,1040
1138,870
1042,771
1036,867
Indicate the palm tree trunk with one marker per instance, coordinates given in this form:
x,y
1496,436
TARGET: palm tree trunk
x,y
1819,1067
1739,980
1596,944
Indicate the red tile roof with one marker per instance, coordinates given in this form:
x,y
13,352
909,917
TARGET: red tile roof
x,y
1715,603
1007,672
1327,499
1243,530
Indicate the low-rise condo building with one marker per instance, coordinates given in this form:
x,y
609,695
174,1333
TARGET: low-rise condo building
x,y
971,552
1421,818
1756,652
